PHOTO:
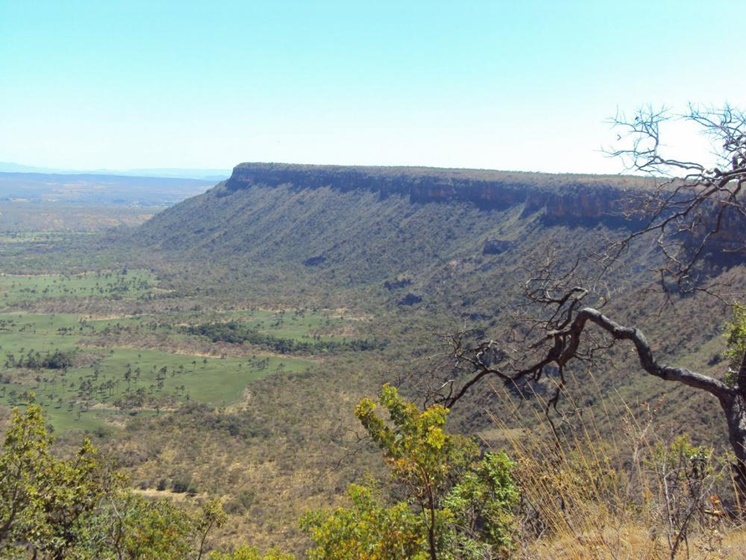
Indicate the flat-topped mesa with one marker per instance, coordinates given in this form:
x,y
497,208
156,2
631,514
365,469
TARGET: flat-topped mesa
x,y
576,200
577,197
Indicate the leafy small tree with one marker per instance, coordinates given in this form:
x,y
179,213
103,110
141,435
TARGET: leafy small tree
x,y
26,445
416,448
250,553
367,530
481,504
684,473
55,508
134,527
46,502
458,502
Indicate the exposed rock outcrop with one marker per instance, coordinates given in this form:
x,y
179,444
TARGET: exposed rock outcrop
x,y
575,200
497,246
573,197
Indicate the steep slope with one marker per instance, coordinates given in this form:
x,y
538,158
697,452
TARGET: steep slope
x,y
450,245
434,250
369,225
447,246
420,253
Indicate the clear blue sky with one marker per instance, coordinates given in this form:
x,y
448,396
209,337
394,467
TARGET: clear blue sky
x,y
520,85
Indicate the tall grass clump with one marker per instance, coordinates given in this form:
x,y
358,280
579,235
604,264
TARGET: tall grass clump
x,y
640,492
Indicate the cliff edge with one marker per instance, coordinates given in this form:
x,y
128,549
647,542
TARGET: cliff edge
x,y
567,196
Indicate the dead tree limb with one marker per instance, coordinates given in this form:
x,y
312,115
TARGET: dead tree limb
x,y
694,207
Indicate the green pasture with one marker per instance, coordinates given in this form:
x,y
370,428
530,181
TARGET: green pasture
x,y
109,384
218,381
300,324
20,332
289,324
115,374
122,284
128,381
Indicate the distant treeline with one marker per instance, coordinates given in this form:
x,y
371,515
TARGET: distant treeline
x,y
235,332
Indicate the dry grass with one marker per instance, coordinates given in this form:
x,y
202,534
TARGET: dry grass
x,y
643,495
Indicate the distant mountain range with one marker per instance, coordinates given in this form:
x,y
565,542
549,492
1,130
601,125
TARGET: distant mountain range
x,y
204,174
99,189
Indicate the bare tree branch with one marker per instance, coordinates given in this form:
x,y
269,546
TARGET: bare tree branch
x,y
694,210
563,345
693,205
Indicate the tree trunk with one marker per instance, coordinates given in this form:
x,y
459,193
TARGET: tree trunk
x,y
735,415
734,406
732,398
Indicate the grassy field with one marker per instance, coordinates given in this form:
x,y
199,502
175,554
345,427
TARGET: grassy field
x,y
91,372
17,289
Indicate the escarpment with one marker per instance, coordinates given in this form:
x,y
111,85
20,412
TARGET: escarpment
x,y
377,222
571,197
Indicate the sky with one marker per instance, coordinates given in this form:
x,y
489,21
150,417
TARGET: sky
x,y
527,85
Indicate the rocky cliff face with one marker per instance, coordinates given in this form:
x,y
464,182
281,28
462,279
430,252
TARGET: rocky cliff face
x,y
560,197
577,200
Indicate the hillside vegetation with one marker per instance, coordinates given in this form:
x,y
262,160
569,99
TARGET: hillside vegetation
x,y
219,349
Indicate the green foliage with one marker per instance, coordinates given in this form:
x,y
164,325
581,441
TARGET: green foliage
x,y
128,526
416,447
250,553
33,359
235,332
112,362
46,502
688,461
462,499
148,529
22,486
481,504
367,530
735,333
685,476
78,508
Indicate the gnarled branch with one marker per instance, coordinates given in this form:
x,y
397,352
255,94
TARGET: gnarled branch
x,y
692,204
563,345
